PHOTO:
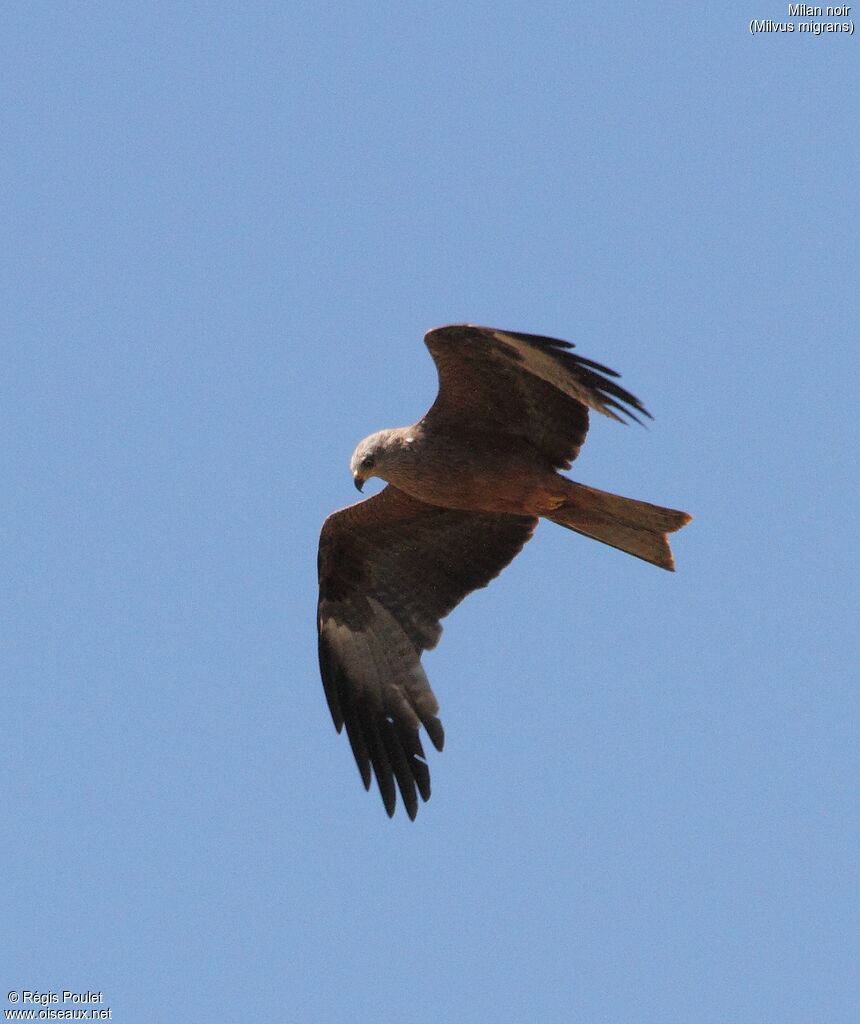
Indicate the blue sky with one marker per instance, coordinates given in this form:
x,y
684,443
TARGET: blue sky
x,y
227,228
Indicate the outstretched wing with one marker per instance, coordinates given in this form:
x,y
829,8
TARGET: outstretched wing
x,y
390,568
523,386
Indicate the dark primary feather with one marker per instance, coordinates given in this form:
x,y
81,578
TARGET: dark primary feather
x,y
524,386
390,568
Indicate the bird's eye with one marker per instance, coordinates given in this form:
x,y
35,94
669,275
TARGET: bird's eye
x,y
367,462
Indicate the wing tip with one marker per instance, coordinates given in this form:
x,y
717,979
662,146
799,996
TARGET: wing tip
x,y
436,731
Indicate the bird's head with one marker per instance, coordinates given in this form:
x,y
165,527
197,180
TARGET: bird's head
x,y
378,454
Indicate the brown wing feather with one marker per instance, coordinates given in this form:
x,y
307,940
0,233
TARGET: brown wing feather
x,y
390,568
521,385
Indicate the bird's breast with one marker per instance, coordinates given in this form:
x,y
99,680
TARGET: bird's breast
x,y
475,479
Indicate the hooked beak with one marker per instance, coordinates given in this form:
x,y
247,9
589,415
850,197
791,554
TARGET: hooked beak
x,y
359,482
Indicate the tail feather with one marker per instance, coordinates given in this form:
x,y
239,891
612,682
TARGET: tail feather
x,y
633,526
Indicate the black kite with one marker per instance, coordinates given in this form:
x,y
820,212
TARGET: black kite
x,y
466,486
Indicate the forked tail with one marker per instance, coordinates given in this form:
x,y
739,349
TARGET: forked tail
x,y
633,526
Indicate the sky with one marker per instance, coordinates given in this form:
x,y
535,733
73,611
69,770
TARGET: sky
x,y
227,227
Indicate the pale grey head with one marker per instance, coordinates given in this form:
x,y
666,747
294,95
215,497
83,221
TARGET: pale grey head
x,y
380,454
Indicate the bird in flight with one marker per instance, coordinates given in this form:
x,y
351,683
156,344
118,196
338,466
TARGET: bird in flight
x,y
466,486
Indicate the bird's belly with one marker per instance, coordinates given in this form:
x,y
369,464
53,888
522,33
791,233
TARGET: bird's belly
x,y
502,485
